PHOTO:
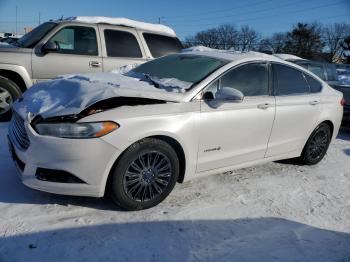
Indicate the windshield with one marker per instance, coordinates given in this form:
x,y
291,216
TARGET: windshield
x,y
30,39
179,68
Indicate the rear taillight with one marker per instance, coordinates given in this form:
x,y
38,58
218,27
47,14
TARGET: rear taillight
x,y
342,102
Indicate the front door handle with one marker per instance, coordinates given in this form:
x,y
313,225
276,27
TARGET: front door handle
x,y
314,102
264,106
94,64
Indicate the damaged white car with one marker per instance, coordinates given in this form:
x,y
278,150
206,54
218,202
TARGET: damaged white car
x,y
134,135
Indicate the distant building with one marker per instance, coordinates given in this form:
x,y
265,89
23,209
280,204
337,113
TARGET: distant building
x,y
27,29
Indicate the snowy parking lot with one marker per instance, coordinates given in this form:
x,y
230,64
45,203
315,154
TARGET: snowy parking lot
x,y
274,212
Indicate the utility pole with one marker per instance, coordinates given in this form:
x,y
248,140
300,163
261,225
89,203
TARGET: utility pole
x,y
160,19
39,19
16,20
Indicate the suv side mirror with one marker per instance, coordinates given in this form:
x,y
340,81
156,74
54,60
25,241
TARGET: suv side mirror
x,y
50,47
229,94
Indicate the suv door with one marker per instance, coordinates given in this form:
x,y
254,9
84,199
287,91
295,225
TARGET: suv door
x,y
78,52
236,132
297,109
121,46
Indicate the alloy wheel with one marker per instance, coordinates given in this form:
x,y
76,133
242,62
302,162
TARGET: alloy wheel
x,y
147,176
318,144
5,101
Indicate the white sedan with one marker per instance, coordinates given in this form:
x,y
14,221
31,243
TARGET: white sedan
x,y
135,134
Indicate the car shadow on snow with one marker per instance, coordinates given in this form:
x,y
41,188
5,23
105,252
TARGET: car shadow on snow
x,y
13,191
260,239
344,134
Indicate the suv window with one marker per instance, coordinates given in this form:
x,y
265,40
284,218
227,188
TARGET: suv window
x,y
331,72
121,44
77,40
161,45
250,79
289,81
317,70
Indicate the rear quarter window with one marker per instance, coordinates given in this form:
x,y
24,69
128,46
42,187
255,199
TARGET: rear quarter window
x,y
160,45
289,81
121,44
315,86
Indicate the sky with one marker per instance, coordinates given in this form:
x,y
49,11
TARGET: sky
x,y
184,16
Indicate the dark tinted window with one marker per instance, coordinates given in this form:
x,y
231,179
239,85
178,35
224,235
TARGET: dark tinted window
x,y
331,72
76,40
121,44
160,45
315,86
288,81
250,79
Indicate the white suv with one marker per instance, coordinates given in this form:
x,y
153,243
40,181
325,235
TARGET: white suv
x,y
170,119
78,45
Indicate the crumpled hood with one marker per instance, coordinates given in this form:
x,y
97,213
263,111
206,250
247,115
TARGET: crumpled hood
x,y
69,95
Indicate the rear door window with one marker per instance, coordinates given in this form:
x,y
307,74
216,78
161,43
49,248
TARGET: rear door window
x,y
121,44
160,45
289,81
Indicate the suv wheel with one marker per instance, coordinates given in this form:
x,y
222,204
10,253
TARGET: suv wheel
x,y
9,92
317,145
145,175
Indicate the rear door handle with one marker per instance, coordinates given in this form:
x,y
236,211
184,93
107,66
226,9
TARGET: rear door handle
x,y
94,64
264,106
313,103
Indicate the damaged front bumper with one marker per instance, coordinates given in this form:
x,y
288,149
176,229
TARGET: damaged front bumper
x,y
62,166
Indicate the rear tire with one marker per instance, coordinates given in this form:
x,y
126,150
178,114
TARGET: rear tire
x,y
316,146
9,92
145,174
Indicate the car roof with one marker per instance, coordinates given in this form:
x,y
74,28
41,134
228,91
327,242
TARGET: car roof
x,y
229,55
121,21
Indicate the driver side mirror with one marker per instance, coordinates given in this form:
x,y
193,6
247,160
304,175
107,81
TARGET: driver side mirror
x,y
229,94
224,94
50,47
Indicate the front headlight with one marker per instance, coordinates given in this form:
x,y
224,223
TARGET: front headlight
x,y
76,130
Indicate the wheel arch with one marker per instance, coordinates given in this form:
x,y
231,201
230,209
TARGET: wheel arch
x,y
330,124
174,143
18,75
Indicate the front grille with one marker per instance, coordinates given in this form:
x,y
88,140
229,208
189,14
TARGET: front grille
x,y
18,132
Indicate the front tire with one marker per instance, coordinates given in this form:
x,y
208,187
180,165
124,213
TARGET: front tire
x,y
9,92
145,174
317,145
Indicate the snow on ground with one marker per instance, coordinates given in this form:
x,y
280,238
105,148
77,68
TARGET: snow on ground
x,y
273,212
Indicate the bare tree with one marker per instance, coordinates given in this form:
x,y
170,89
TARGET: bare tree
x,y
333,36
227,36
208,38
274,44
248,39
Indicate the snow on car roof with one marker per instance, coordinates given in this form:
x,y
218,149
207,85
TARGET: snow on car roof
x,y
288,57
123,22
230,55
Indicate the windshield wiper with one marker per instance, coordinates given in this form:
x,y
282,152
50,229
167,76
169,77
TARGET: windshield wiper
x,y
149,78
